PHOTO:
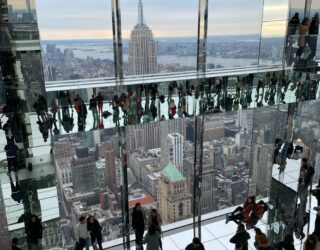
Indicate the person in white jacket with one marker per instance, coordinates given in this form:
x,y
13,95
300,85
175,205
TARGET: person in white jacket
x,y
82,234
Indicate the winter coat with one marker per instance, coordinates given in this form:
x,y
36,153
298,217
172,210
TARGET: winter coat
x,y
303,29
158,219
284,246
137,220
317,247
34,231
259,210
94,228
81,231
241,238
262,240
192,247
152,241
11,150
247,209
314,26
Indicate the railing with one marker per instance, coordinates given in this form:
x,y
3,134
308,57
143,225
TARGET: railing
x,y
157,78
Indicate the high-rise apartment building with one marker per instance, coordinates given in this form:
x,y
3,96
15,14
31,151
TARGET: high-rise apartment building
x,y
173,196
62,149
107,151
213,129
145,136
173,152
169,127
142,48
83,167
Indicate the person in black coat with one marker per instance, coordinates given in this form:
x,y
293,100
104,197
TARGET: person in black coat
x,y
95,230
195,245
316,193
34,232
240,239
287,243
12,152
138,224
14,244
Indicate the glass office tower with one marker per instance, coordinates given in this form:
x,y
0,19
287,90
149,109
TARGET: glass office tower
x,y
210,103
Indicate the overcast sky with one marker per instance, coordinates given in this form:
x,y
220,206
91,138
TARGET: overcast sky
x,y
85,19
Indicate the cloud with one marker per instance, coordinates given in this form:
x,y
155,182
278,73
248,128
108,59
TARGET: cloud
x,y
71,19
53,34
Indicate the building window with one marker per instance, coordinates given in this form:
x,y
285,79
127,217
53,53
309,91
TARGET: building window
x,y
180,209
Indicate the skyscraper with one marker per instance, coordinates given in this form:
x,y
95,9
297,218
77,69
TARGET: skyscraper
x,y
174,150
145,135
142,48
173,196
83,170
108,153
168,127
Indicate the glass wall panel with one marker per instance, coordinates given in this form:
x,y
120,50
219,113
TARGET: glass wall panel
x,y
125,105
233,33
269,123
153,44
227,139
275,10
289,202
76,39
297,6
23,19
23,196
90,176
315,8
272,42
160,162
143,103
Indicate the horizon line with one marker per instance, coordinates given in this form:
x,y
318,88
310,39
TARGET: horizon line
x,y
156,38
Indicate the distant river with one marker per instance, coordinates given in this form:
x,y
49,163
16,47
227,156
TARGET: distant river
x,y
106,52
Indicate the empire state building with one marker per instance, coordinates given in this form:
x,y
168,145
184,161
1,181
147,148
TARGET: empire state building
x,y
142,48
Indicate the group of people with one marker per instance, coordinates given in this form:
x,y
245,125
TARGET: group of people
x,y
140,104
240,239
307,35
304,183
249,214
154,233
87,231
34,231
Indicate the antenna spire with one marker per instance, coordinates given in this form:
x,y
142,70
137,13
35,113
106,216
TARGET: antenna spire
x,y
140,13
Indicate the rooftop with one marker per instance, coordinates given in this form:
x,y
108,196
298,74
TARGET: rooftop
x,y
172,173
144,199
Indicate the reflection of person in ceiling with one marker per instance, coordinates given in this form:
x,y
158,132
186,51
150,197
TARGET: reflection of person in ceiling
x,y
313,36
65,101
101,125
303,30
16,193
81,110
12,152
8,130
67,121
34,231
40,106
43,128
54,108
153,109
